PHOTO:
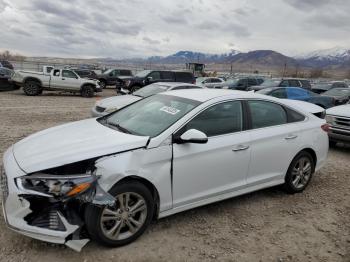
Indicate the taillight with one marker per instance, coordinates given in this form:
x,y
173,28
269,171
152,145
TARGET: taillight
x,y
325,127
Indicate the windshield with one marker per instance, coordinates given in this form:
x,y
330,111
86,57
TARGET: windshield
x,y
338,92
143,73
150,116
264,91
150,90
232,81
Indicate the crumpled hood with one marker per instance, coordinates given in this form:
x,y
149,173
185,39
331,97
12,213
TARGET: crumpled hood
x,y
118,101
343,110
71,143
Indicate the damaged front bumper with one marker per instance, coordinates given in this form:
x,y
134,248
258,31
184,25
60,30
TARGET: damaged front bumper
x,y
36,215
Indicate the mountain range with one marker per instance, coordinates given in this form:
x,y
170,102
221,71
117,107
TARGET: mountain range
x,y
334,58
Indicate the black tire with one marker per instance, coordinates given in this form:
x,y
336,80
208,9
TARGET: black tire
x,y
135,88
291,176
332,143
32,88
87,91
103,83
93,215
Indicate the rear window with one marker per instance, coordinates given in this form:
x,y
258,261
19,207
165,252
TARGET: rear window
x,y
167,75
185,77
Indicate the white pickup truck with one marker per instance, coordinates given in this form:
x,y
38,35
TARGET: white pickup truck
x,y
52,79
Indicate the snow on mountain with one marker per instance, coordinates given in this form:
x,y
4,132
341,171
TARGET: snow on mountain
x,y
336,53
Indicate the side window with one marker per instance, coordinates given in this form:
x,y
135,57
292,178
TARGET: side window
x,y
295,93
220,119
68,74
294,116
215,80
125,73
305,84
284,83
242,82
264,114
155,75
168,75
252,82
184,77
56,72
294,83
260,81
279,93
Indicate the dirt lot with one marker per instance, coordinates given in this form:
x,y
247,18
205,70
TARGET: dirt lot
x,y
268,225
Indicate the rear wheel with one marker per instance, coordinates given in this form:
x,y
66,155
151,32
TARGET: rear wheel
x,y
299,173
103,83
87,91
32,88
126,220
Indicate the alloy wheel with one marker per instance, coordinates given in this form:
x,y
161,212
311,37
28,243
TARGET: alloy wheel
x,y
301,172
125,218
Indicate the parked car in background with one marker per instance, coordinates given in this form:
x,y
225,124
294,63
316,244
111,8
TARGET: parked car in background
x,y
146,77
295,82
323,87
164,154
340,95
268,82
110,76
243,83
6,64
5,79
338,118
210,82
297,93
34,83
84,73
111,104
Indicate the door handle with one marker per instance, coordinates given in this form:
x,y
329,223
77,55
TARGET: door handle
x,y
240,148
63,79
291,137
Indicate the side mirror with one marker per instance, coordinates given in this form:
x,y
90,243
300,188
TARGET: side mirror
x,y
149,78
192,136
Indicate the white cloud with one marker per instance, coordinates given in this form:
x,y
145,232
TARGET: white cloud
x,y
139,28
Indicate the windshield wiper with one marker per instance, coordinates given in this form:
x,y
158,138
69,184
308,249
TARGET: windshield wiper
x,y
123,129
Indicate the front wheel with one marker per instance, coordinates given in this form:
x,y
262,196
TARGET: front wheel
x,y
299,173
126,220
87,91
135,88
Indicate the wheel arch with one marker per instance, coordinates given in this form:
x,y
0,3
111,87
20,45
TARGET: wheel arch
x,y
87,84
150,186
311,152
30,78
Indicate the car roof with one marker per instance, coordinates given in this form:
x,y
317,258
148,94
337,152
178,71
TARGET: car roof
x,y
203,95
174,84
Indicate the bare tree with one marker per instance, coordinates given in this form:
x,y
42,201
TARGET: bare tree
x,y
316,73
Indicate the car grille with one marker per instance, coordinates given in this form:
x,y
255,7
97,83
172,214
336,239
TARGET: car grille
x,y
100,109
4,186
342,122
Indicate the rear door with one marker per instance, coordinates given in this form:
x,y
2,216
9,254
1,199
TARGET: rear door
x,y
56,79
167,76
275,138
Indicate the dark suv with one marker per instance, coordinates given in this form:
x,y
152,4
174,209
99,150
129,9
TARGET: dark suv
x,y
294,82
147,77
111,76
85,73
243,83
7,64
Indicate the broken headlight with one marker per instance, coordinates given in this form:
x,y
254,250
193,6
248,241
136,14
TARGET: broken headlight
x,y
64,186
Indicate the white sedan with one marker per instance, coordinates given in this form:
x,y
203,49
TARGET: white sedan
x,y
111,104
159,156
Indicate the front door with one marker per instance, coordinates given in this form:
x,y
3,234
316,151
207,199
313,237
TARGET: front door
x,y
70,80
217,167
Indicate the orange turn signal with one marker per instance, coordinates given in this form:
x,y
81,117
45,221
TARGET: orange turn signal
x,y
78,189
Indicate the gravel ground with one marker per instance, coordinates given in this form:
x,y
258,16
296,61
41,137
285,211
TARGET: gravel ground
x,y
268,225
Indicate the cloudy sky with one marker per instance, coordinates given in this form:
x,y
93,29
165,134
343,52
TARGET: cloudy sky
x,y
140,28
